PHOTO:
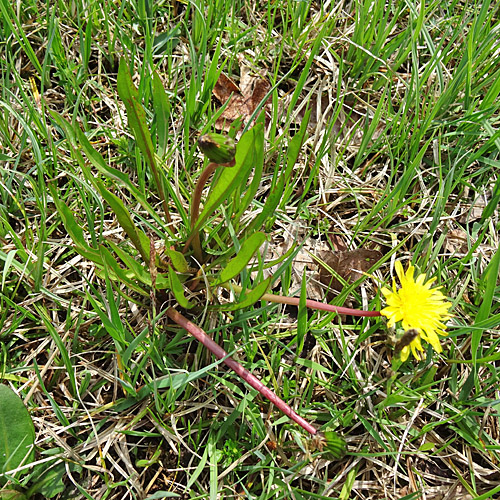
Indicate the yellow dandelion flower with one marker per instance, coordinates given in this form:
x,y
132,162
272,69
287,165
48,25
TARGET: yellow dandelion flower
x,y
418,307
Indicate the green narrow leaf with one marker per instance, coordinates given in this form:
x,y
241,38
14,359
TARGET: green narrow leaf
x,y
251,296
137,122
345,493
161,105
368,133
292,153
295,144
231,177
214,455
258,163
140,272
135,113
116,330
178,289
15,27
494,201
305,71
17,433
489,494
56,337
117,273
238,263
199,469
73,229
302,316
78,141
272,202
126,222
137,269
6,267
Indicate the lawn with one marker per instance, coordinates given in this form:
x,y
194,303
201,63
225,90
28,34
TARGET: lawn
x,y
367,141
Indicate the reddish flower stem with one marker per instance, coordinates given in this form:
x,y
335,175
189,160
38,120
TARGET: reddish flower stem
x,y
312,304
194,238
252,380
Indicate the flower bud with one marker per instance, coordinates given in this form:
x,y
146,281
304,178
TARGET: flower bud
x,y
218,148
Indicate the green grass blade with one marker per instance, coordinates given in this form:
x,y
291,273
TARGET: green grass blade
x,y
135,113
10,19
63,351
302,316
74,229
489,280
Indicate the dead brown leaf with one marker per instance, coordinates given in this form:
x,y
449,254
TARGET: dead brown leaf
x,y
243,101
224,88
349,265
456,242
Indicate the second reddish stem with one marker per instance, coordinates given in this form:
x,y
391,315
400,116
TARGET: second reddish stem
x,y
252,380
312,304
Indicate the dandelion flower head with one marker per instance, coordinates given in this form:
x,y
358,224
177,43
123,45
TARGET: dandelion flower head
x,y
417,306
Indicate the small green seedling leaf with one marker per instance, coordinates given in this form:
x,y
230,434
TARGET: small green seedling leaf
x,y
178,260
427,447
17,433
178,289
247,250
